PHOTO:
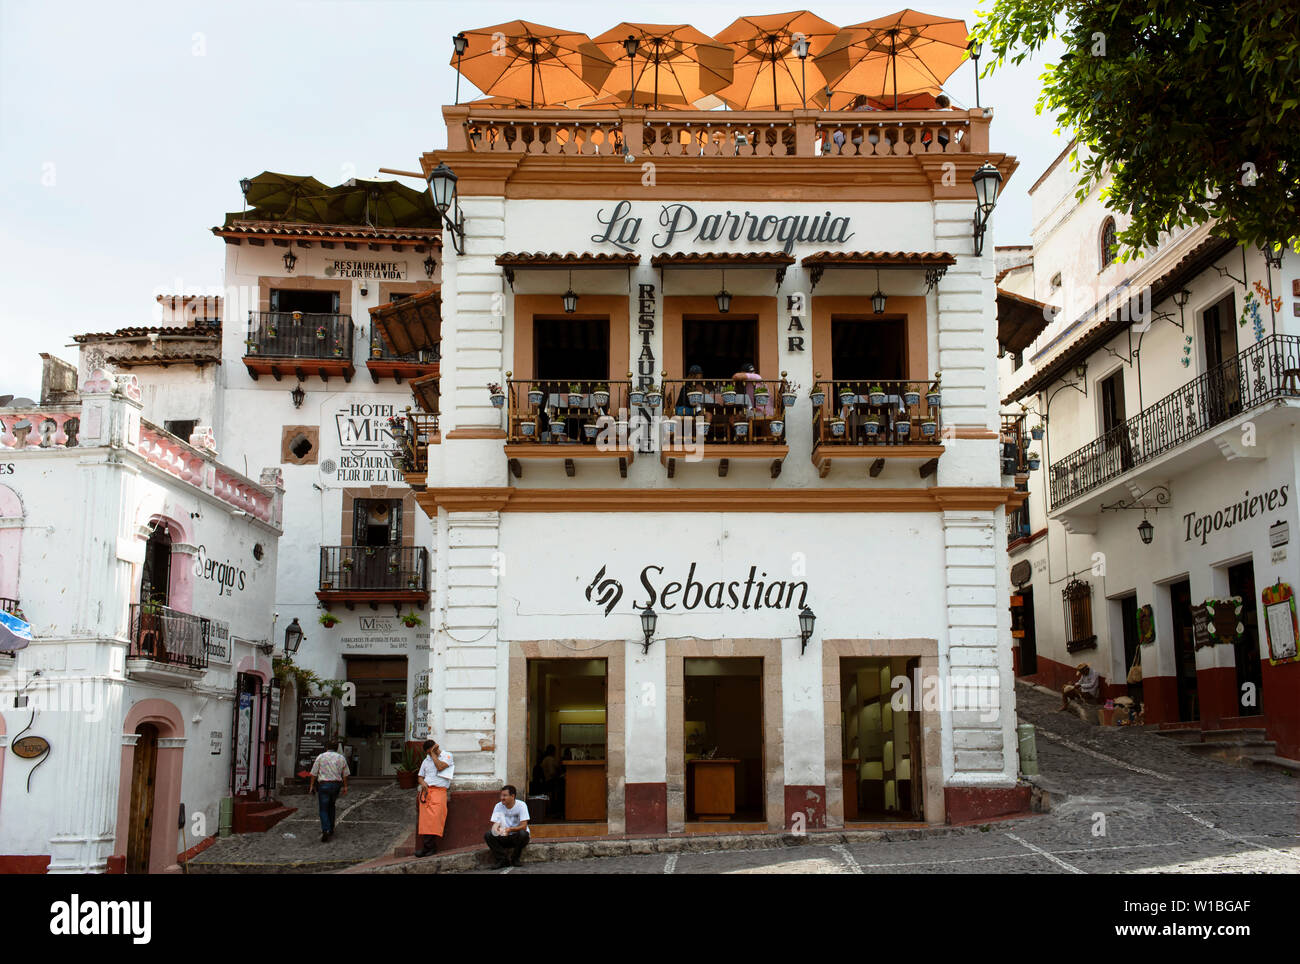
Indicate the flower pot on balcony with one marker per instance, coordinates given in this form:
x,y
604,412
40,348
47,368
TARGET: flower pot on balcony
x,y
1036,433
328,620
776,427
1033,461
498,399
761,397
654,398
636,396
847,398
271,331
347,564
297,316
320,334
903,427
933,399
876,396
589,429
338,351
788,399
729,397
911,398
740,430
557,429
375,351
817,397
251,346
872,425
600,397
528,429
929,428
413,583
695,398
837,427
535,396
575,399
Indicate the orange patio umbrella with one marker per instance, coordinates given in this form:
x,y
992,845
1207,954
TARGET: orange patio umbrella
x,y
532,63
769,73
906,52
678,64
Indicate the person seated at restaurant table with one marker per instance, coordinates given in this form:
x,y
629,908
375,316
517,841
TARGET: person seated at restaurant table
x,y
694,382
751,376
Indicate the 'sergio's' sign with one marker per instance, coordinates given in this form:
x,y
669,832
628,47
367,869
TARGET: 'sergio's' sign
x,y
682,223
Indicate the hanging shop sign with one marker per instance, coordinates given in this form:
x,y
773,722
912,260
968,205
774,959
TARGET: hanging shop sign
x,y
1201,627
682,223
217,641
1280,619
314,716
273,717
378,270
30,747
1201,525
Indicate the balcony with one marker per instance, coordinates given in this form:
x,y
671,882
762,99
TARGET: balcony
x,y
1265,372
384,362
166,645
374,575
571,420
414,432
722,134
300,343
876,421
1017,457
724,419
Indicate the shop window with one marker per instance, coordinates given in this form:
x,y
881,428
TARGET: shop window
x,y
308,302
723,738
1077,598
567,739
571,349
181,428
868,349
1109,243
721,347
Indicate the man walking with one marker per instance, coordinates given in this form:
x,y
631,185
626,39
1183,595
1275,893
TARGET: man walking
x,y
509,834
329,777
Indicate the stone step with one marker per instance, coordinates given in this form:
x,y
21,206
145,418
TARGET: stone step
x,y
264,820
1242,753
1180,736
1246,734
1277,763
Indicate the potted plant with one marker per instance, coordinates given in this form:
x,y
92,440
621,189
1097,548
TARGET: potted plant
x,y
338,351
695,397
271,330
876,396
932,397
297,316
837,426
776,427
789,392
528,429
929,426
575,395
412,581
600,395
872,424
556,427
847,397
1033,461
328,619
375,349
728,393
817,397
762,395
1036,433
654,396
703,423
251,346
535,397
347,563
740,429
412,619
911,397
496,394
320,330
409,769
589,429
370,550
393,565
903,426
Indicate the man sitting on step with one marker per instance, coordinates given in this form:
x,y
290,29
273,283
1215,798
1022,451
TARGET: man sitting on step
x,y
1085,687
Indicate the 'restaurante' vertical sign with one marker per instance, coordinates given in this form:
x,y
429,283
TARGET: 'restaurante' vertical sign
x,y
645,362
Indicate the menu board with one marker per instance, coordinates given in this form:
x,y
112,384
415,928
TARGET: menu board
x,y
314,716
1201,627
1280,619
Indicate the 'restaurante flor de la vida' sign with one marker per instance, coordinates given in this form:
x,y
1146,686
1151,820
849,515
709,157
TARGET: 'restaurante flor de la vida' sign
x,y
682,223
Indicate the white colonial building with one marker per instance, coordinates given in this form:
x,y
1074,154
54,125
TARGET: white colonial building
x,y
653,300
1161,397
147,570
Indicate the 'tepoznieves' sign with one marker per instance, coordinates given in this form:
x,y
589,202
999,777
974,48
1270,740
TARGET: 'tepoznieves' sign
x,y
681,223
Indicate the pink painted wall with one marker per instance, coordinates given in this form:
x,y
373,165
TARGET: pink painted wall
x,y
167,782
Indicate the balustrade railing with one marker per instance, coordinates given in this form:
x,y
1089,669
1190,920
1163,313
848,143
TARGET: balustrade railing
x,y
299,334
728,410
870,412
413,432
167,635
39,429
378,568
1267,370
563,411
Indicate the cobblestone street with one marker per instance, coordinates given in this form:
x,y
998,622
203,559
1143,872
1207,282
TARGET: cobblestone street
x,y
1165,811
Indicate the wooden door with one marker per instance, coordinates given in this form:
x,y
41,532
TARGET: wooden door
x,y
144,772
915,752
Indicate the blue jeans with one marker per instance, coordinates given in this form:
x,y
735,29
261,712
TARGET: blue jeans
x,y
328,794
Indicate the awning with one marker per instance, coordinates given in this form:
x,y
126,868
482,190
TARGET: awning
x,y
15,633
935,263
1199,258
513,261
411,324
426,392
725,259
1020,320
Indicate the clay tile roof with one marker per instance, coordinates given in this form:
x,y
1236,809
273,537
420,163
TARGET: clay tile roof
x,y
1020,320
713,259
412,323
212,333
554,259
880,259
326,232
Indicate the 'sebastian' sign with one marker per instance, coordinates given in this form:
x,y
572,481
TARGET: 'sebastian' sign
x,y
751,594
682,221
379,270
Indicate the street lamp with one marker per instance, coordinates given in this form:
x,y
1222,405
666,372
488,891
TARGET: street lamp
x,y
631,44
298,395
976,48
987,180
442,186
806,621
570,298
878,299
290,259
723,297
648,620
292,638
801,51
1146,530
460,42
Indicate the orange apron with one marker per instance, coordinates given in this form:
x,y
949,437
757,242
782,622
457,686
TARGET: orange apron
x,y
433,811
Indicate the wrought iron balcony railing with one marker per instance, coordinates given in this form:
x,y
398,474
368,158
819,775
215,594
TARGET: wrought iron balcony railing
x,y
876,412
728,410
1267,370
169,636
374,568
299,334
564,411
413,432
380,349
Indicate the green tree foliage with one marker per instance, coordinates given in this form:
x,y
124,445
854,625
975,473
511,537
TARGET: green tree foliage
x,y
1191,107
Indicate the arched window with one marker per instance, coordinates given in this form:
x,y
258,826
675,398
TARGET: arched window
x,y
1109,245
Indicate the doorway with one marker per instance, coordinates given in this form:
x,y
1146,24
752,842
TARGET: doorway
x,y
567,740
155,578
720,346
377,533
1028,642
375,727
1113,419
1180,603
1250,676
723,739
1128,609
868,349
881,781
244,768
144,775
570,349
1222,398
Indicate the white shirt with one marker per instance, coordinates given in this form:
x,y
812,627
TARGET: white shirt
x,y
1089,682
512,817
435,777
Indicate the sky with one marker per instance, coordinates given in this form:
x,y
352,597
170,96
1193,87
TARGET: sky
x,y
125,128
